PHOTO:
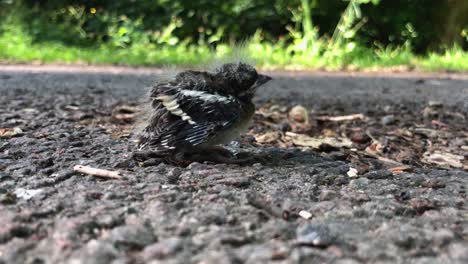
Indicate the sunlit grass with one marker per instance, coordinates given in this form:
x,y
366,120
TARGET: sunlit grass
x,y
17,47
454,59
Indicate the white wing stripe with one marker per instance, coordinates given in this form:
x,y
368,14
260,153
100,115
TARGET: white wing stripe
x,y
170,102
206,96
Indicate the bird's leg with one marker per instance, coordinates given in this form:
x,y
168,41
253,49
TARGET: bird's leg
x,y
144,155
149,158
215,154
179,159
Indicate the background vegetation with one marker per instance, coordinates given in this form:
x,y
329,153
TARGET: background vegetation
x,y
428,34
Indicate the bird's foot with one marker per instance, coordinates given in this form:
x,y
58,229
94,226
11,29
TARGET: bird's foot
x,y
150,158
219,151
213,154
142,156
220,155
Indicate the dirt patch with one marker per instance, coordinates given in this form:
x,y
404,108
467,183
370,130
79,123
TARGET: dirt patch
x,y
301,205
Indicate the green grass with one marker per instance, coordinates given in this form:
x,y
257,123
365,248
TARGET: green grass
x,y
17,47
454,59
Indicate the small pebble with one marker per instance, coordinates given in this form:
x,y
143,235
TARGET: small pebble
x,y
316,235
359,183
352,172
95,252
360,137
299,114
26,194
326,195
162,249
378,174
305,214
435,104
132,236
388,120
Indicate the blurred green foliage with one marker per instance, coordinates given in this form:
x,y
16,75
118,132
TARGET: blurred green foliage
x,y
87,22
303,32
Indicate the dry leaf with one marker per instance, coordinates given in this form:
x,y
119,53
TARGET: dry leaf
x,y
301,128
124,117
400,169
375,148
317,142
122,134
432,133
124,113
438,123
125,109
272,113
329,132
402,132
10,132
406,155
443,159
268,137
278,108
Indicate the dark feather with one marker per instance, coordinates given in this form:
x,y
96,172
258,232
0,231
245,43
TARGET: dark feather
x,y
195,107
205,114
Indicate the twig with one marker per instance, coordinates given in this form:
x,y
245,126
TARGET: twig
x,y
341,118
97,172
375,156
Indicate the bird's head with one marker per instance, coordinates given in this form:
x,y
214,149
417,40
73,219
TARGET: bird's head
x,y
242,78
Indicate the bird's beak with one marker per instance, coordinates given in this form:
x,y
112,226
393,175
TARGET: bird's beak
x,y
262,79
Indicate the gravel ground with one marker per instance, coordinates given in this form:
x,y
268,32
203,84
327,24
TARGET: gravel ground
x,y
207,213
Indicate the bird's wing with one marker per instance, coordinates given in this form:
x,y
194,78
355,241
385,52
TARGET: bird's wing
x,y
186,117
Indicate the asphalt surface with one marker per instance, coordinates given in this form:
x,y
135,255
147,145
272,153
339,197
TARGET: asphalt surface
x,y
209,213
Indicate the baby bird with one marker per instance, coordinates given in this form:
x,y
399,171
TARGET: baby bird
x,y
197,111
